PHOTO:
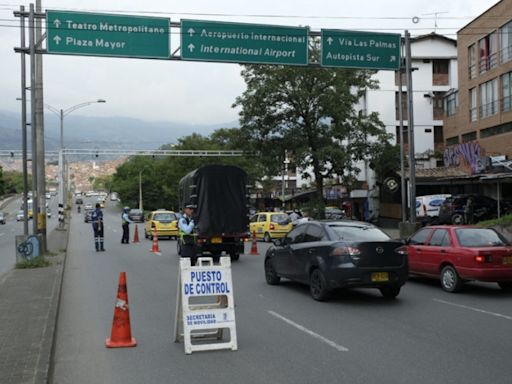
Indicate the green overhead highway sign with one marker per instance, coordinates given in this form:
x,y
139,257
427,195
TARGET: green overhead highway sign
x,y
356,49
243,43
98,34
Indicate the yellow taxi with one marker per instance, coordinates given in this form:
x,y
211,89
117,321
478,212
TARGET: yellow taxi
x,y
270,225
165,222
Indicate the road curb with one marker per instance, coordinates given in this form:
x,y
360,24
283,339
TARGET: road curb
x,y
45,367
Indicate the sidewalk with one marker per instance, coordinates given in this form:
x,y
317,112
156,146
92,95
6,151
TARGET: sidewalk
x,y
29,300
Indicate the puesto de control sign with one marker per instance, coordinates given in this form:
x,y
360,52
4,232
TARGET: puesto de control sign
x,y
98,34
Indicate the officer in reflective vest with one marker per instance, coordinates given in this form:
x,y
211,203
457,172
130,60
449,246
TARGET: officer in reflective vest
x,y
187,234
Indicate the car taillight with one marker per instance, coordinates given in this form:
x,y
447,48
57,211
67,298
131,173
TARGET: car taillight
x,y
272,226
345,251
483,258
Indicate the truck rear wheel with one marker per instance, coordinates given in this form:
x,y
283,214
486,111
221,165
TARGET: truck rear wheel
x,y
267,238
235,256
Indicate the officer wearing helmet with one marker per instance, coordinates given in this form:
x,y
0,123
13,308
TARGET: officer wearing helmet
x,y
126,229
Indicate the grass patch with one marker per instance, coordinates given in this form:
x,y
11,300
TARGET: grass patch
x,y
503,220
50,253
36,262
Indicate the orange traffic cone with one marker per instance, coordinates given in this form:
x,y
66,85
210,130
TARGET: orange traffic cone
x,y
121,335
155,248
254,246
136,235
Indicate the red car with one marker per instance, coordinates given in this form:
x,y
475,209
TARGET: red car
x,y
457,254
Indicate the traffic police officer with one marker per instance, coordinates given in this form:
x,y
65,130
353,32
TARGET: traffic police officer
x,y
125,223
97,226
187,234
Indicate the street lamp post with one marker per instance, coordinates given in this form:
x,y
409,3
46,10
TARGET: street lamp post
x,y
140,190
285,172
63,113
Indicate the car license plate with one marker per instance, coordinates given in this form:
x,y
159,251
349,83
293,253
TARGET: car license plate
x,y
216,240
378,277
507,260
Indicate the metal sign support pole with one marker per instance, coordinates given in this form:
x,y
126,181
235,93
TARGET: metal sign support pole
x,y
402,160
41,175
410,124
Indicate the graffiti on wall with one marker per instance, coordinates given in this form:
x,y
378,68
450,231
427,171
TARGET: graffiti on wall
x,y
469,156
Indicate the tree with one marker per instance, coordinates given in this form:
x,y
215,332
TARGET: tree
x,y
2,182
310,113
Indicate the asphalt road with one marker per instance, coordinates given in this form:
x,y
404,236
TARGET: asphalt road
x,y
424,336
12,228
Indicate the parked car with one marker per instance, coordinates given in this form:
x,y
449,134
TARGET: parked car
x,y
88,215
136,215
2,218
428,206
79,201
338,254
457,254
164,222
334,213
88,206
452,209
270,225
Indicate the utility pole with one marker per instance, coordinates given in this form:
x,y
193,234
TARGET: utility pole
x,y
410,124
32,46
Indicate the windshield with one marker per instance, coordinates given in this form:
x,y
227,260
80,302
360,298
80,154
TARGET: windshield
x,y
164,217
479,237
280,218
358,233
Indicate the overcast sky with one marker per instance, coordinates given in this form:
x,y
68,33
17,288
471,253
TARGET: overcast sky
x,y
191,91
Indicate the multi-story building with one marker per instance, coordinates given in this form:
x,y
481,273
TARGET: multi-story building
x,y
434,60
479,113
478,122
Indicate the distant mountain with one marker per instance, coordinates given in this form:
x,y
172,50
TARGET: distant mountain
x,y
103,132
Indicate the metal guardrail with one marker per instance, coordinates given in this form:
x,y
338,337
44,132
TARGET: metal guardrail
x,y
131,152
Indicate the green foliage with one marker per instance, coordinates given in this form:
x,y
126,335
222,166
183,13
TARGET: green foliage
x,y
2,182
13,182
160,176
36,262
503,220
385,160
310,113
102,183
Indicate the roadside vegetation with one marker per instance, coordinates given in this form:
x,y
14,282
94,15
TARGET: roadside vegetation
x,y
36,262
503,220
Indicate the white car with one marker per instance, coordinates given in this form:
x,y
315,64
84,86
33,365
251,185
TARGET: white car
x,y
88,206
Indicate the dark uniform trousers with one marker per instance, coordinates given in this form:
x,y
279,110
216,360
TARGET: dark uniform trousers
x,y
98,235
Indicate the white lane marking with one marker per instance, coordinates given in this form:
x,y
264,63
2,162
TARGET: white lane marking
x,y
309,332
473,309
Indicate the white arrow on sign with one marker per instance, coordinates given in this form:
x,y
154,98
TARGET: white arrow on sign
x,y
191,47
392,58
57,23
57,39
191,31
329,40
